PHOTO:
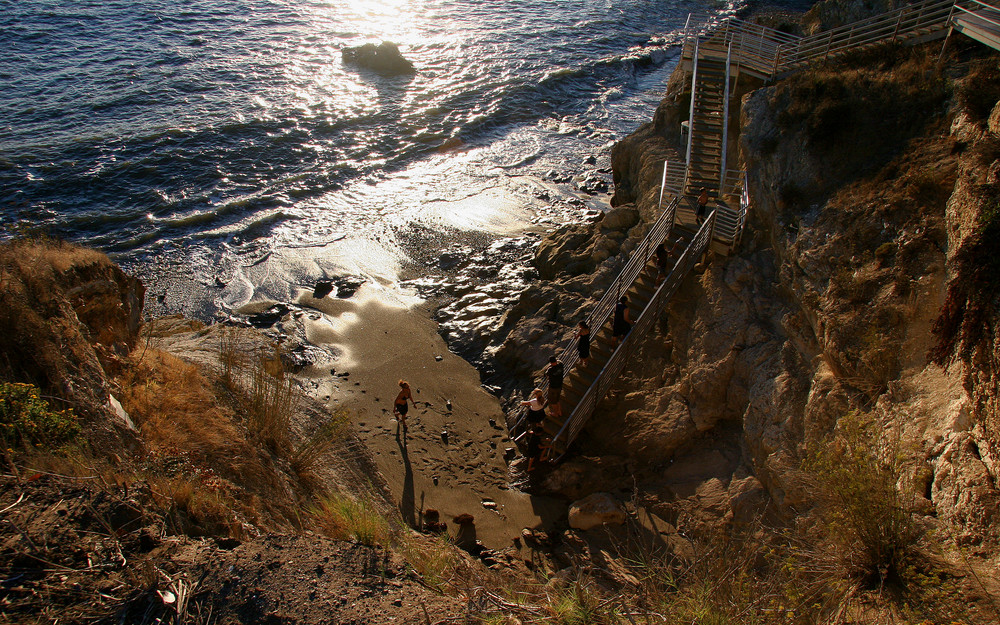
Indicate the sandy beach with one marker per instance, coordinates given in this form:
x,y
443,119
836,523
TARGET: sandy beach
x,y
451,458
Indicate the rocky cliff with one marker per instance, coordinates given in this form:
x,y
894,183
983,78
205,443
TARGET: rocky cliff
x,y
868,179
68,317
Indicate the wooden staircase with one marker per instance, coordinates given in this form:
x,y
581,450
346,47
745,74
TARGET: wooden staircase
x,y
602,346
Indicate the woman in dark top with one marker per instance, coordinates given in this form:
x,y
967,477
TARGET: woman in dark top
x,y
622,322
583,342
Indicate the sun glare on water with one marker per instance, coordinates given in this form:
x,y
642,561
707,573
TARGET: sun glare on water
x,y
393,20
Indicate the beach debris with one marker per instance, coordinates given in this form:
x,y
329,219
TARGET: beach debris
x,y
269,317
322,289
509,453
447,404
434,479
166,596
489,504
439,358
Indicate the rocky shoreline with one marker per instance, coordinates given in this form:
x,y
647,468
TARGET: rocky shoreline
x,y
806,348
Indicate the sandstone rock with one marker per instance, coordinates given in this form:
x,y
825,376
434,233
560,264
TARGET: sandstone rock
x,y
597,509
620,218
383,59
747,499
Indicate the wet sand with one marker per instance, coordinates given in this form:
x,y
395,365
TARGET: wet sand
x,y
450,459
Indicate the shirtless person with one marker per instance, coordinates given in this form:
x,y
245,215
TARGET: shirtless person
x,y
400,406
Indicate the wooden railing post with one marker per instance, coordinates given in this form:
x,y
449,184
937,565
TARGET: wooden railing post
x,y
725,121
899,20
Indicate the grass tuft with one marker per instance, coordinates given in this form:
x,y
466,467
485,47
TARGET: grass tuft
x,y
341,517
865,512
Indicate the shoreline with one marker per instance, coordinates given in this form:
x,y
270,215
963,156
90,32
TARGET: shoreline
x,y
450,459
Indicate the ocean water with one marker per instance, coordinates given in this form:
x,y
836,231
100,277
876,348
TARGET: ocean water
x,y
197,141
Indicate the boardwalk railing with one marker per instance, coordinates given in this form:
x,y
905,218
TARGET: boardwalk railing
x,y
769,53
927,19
658,232
585,407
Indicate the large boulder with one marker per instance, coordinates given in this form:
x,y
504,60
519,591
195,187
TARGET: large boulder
x,y
383,59
597,509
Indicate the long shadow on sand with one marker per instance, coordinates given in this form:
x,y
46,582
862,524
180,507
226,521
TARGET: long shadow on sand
x,y
407,501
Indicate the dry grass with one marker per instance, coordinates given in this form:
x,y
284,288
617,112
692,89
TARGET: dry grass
x,y
175,406
208,473
858,113
267,397
857,472
320,441
341,517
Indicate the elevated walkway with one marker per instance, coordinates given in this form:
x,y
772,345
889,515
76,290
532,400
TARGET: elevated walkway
x,y
979,21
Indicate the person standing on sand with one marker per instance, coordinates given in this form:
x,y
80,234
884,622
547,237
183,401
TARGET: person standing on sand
x,y
583,342
555,372
400,406
536,406
702,204
622,323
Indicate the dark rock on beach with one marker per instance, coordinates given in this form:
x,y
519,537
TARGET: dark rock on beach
x,y
383,59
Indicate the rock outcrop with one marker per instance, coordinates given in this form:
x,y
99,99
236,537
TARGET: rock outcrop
x,y
68,316
866,178
383,59
594,510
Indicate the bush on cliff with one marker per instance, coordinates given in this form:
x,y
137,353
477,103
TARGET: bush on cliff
x,y
857,472
859,111
27,420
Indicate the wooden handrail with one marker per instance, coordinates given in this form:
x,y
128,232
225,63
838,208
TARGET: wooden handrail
x,y
657,233
602,383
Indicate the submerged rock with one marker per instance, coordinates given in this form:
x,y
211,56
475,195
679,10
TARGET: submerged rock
x,y
383,59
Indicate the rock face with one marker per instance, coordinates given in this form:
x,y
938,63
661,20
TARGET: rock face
x,y
67,317
596,509
384,59
826,309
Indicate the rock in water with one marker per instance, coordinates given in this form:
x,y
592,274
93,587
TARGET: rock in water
x,y
383,59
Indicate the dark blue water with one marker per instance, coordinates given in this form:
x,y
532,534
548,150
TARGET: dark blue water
x,y
164,131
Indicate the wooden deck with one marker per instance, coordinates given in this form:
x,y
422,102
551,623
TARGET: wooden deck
x,y
981,23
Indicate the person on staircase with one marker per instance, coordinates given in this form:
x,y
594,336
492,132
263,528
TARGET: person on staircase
x,y
536,407
702,204
583,342
662,258
555,372
622,323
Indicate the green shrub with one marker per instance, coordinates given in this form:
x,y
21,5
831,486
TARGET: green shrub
x,y
864,510
27,420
